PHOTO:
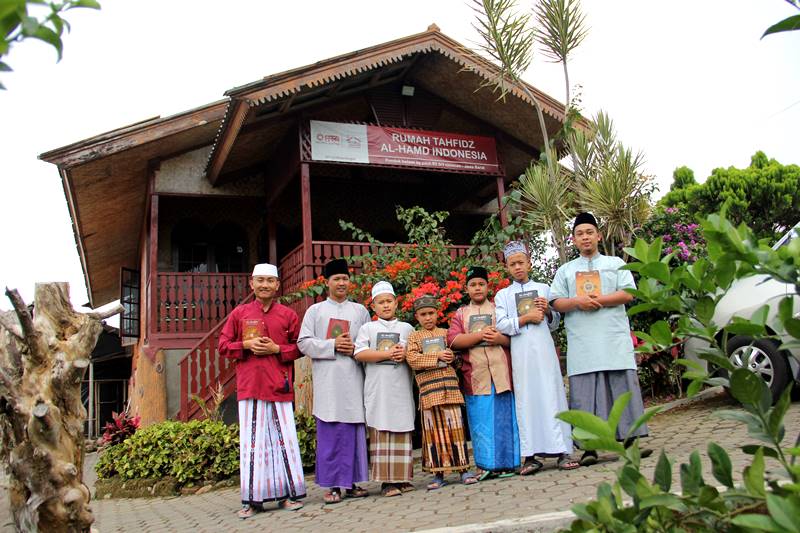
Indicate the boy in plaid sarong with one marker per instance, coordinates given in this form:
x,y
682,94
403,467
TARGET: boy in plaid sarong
x,y
444,445
388,393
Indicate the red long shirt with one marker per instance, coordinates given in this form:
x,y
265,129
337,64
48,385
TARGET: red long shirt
x,y
263,377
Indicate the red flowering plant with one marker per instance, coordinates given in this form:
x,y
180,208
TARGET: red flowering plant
x,y
427,264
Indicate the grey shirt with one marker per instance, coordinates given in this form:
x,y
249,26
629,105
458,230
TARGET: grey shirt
x,y
338,379
388,389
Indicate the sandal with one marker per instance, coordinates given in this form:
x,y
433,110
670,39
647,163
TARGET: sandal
x,y
406,487
566,462
468,478
246,512
333,496
588,458
484,475
530,467
437,483
356,492
506,473
388,490
290,505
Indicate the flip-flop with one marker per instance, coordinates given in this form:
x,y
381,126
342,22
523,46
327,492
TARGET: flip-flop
x,y
566,462
390,490
437,484
588,458
407,487
468,478
503,475
246,512
484,475
530,467
332,497
356,492
290,505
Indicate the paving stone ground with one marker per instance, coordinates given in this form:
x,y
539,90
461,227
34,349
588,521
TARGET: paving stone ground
x,y
678,432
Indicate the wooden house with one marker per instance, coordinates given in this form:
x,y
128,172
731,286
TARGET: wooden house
x,y
170,214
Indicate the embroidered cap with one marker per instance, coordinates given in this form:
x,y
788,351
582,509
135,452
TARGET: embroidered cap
x,y
336,266
265,269
382,287
477,272
514,247
584,218
425,301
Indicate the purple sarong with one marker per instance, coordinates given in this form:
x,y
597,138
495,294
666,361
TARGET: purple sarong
x,y
341,454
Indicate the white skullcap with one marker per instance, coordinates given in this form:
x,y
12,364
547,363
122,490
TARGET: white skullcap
x,y
265,269
382,287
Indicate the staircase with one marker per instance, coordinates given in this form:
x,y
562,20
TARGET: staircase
x,y
202,369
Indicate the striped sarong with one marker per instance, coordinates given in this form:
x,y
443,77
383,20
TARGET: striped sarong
x,y
444,446
269,452
391,457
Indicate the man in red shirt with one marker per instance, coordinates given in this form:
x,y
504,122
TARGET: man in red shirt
x,y
261,336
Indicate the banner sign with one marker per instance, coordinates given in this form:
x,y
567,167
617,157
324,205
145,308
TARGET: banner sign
x,y
376,145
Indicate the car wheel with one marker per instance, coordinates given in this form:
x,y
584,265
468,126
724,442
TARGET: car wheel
x,y
761,357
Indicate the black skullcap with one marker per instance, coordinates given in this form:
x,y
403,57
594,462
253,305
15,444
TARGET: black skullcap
x,y
584,218
477,272
335,266
425,301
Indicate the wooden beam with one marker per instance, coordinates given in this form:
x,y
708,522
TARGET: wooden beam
x,y
305,200
129,137
230,130
152,322
501,192
288,103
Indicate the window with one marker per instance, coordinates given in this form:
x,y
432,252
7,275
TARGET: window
x,y
230,248
129,298
190,247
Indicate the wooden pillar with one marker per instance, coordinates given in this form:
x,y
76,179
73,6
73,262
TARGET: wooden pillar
x,y
272,240
153,264
501,192
305,197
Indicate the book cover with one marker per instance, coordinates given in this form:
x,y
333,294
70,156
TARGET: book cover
x,y
526,301
336,327
588,283
433,344
252,328
386,340
477,323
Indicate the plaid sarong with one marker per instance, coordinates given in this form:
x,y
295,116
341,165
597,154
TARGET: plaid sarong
x,y
444,447
391,457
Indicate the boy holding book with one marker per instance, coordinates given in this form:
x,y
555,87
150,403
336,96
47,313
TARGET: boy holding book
x,y
388,393
326,336
486,369
444,446
590,291
524,315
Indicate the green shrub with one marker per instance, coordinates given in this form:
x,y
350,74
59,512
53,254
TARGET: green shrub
x,y
307,436
189,451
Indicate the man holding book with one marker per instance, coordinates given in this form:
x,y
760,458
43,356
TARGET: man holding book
x,y
590,291
388,393
524,315
261,337
326,336
486,368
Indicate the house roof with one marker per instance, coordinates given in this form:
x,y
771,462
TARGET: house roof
x,y
106,177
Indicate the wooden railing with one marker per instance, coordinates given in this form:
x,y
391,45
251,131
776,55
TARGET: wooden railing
x,y
195,303
202,369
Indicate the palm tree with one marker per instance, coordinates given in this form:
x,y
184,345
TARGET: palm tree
x,y
609,182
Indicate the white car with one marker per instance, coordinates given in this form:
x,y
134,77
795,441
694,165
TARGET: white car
x,y
762,356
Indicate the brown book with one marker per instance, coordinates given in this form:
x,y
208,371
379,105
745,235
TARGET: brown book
x,y
526,301
336,327
588,283
252,328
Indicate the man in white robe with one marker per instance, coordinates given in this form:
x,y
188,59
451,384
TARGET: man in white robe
x,y
524,315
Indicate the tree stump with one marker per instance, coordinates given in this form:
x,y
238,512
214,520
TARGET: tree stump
x,y
42,361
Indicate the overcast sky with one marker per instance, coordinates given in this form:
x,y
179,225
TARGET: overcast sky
x,y
688,82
